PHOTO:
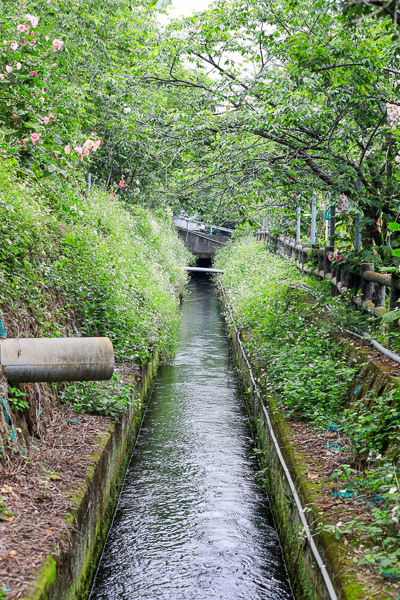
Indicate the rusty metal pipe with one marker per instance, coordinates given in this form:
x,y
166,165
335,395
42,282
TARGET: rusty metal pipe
x,y
29,360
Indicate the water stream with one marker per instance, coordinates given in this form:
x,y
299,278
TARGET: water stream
x,y
191,522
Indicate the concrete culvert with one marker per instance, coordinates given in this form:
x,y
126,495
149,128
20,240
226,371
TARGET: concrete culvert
x,y
30,360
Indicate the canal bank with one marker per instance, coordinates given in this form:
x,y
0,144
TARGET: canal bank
x,y
329,408
68,575
191,521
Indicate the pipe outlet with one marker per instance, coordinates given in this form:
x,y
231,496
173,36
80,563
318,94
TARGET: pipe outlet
x,y
30,360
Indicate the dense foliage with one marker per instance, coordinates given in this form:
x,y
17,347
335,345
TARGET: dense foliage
x,y
289,337
297,354
240,109
69,257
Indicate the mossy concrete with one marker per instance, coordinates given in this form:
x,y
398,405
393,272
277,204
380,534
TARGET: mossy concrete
x,y
69,576
305,576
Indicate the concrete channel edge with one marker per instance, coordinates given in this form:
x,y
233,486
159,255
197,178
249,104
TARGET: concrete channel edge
x,y
70,575
285,479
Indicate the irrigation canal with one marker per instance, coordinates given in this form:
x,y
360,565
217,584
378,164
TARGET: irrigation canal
x,y
191,522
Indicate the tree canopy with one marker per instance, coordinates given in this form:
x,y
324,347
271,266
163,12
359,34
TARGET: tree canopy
x,y
243,108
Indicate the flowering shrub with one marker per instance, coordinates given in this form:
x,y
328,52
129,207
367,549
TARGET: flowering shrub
x,y
115,272
299,357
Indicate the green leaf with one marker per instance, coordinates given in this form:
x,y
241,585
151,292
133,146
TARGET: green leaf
x,y
390,316
393,226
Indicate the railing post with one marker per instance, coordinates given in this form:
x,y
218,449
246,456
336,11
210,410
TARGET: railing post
x,y
327,262
379,295
367,287
338,277
313,216
289,248
357,239
394,292
298,224
314,256
332,233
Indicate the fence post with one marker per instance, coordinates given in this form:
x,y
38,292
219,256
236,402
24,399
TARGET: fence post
x,y
394,292
327,262
313,216
332,235
379,295
298,224
89,181
357,239
367,287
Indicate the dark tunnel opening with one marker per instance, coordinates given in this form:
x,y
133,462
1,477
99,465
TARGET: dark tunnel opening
x,y
204,262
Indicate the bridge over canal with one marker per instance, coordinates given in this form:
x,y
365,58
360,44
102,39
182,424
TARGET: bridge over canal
x,y
202,245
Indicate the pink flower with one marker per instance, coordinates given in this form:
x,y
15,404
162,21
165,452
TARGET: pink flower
x,y
330,256
96,146
32,20
86,151
19,66
5,42
1,76
42,91
14,46
23,42
67,149
47,38
397,159
121,183
41,99
35,137
26,140
51,115
33,73
78,150
46,120
88,144
57,44
32,33
21,28
8,69
338,258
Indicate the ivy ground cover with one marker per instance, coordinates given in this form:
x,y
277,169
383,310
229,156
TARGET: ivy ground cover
x,y
349,445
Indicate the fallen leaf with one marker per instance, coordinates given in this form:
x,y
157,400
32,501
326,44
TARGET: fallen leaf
x,y
5,518
55,477
312,476
12,553
6,489
49,531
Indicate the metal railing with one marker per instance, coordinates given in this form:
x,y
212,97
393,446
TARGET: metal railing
x,y
369,288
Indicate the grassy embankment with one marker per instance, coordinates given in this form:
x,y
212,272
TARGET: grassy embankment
x,y
293,340
73,263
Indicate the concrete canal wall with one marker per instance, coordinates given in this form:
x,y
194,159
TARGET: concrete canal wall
x,y
305,575
69,576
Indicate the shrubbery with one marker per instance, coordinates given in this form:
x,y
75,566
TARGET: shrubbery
x,y
71,257
297,353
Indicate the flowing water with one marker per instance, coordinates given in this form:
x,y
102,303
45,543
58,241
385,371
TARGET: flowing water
x,y
191,523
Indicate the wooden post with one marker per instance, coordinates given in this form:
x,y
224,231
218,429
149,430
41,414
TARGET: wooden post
x,y
313,216
327,262
298,223
333,222
379,295
394,292
357,239
367,287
